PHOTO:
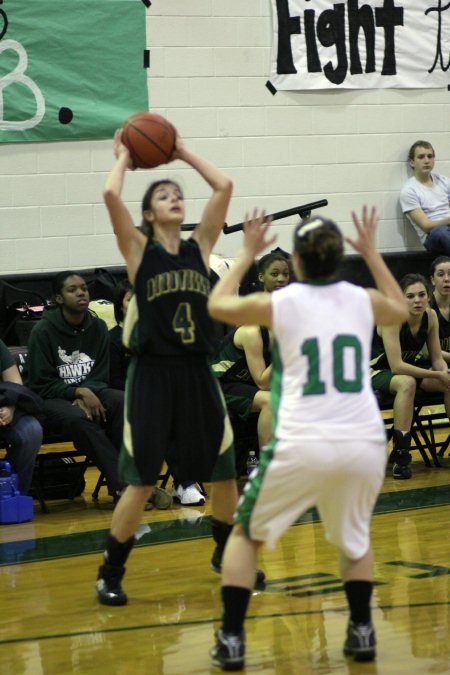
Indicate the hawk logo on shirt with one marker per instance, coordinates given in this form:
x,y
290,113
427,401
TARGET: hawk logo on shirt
x,y
76,368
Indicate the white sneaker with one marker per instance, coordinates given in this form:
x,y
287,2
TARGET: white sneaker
x,y
189,496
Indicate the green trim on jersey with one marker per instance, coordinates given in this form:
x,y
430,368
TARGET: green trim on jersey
x,y
275,383
130,333
128,472
252,488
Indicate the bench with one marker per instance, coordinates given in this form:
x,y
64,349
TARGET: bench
x,y
428,413
49,454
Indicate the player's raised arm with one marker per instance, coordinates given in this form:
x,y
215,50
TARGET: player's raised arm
x,y
252,309
388,302
131,242
213,218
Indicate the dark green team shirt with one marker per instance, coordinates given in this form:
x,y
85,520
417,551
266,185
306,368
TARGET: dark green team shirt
x,y
410,345
167,314
230,363
6,359
62,357
444,327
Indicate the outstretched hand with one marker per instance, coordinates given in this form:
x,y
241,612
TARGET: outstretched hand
x,y
256,233
121,149
366,228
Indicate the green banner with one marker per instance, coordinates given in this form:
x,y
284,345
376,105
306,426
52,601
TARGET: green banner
x,y
70,69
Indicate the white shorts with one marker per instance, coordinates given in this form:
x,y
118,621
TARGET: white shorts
x,y
342,479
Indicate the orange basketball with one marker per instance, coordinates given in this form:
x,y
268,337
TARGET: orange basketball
x,y
150,138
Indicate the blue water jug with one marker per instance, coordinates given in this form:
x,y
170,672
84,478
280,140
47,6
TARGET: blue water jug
x,y
14,507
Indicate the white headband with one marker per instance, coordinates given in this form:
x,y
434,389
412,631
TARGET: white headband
x,y
311,225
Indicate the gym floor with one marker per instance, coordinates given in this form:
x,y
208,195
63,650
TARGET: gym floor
x,y
51,622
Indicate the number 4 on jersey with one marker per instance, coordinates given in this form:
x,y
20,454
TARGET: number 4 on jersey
x,y
182,323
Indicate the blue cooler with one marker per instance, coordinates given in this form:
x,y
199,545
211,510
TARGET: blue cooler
x,y
14,507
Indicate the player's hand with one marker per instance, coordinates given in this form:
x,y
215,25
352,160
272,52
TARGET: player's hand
x,y
120,149
256,230
179,149
366,228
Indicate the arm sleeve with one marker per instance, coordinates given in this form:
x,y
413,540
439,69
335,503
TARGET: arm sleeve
x,y
6,358
409,199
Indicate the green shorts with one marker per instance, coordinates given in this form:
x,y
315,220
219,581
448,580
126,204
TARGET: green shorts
x,y
381,381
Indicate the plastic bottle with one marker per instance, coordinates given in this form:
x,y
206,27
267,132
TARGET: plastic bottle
x,y
252,462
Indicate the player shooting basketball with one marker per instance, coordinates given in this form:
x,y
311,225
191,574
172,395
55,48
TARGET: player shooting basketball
x,y
171,398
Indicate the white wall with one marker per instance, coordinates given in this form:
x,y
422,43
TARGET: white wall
x,y
209,66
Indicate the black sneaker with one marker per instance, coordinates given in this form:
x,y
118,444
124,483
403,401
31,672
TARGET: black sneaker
x,y
108,585
401,471
217,567
402,464
360,642
228,652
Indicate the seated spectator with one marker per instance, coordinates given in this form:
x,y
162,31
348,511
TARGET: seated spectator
x,y
398,368
274,270
425,200
440,300
118,355
21,432
242,363
68,366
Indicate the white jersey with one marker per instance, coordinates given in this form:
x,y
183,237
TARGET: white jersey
x,y
320,358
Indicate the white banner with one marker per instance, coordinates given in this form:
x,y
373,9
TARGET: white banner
x,y
327,44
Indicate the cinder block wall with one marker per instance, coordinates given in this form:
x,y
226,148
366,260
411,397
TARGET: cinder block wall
x,y
209,62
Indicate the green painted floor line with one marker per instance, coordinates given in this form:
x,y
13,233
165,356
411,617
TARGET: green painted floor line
x,y
211,621
151,534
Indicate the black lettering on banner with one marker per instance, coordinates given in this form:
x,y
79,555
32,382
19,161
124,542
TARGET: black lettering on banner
x,y
361,17
331,32
388,17
439,57
287,26
329,29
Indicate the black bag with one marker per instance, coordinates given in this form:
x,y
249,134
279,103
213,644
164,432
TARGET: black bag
x,y
58,478
101,284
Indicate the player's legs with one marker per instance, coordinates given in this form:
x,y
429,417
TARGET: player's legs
x,y
139,470
357,575
431,384
126,518
224,499
238,578
261,404
128,512
346,511
243,399
403,388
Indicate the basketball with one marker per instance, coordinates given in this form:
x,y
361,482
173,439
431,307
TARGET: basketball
x,y
150,138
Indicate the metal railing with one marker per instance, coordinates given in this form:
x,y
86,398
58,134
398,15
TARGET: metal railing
x,y
303,211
